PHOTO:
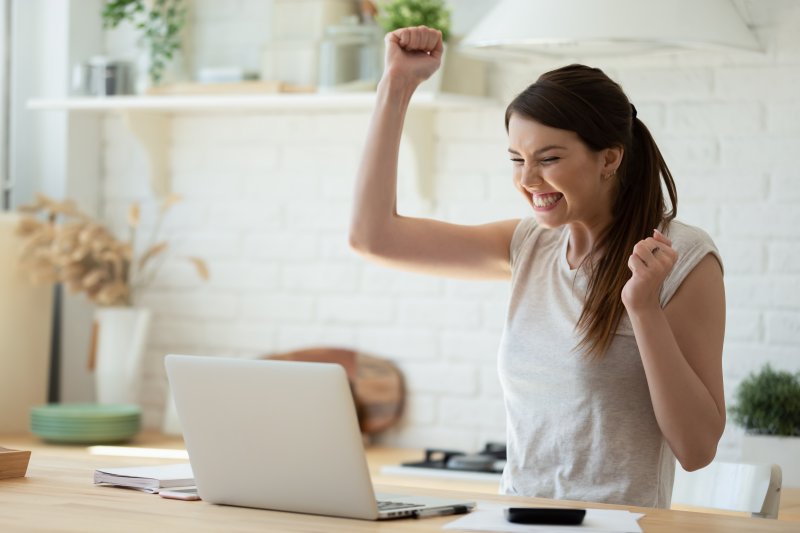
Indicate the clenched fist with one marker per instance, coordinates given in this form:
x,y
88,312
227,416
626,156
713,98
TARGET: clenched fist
x,y
650,263
413,54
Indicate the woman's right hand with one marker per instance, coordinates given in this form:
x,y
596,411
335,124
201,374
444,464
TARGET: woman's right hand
x,y
413,54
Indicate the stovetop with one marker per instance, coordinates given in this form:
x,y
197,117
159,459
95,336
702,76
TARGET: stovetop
x,y
491,459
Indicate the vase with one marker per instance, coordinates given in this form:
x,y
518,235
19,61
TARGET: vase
x,y
773,449
120,344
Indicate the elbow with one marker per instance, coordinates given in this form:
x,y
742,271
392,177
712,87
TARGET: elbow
x,y
700,450
700,454
359,244
355,242
698,459
364,247
367,240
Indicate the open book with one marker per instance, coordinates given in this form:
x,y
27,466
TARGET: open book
x,y
147,478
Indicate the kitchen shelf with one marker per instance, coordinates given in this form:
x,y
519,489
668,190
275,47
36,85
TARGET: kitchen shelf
x,y
249,102
148,117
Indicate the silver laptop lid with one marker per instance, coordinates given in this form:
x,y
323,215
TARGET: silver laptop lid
x,y
272,434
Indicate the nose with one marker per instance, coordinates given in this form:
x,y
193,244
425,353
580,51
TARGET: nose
x,y
530,178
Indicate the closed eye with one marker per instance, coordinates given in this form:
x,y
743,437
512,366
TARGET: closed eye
x,y
517,160
548,160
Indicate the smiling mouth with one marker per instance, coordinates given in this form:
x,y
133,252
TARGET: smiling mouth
x,y
546,200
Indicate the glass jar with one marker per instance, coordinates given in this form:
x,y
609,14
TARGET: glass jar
x,y
351,56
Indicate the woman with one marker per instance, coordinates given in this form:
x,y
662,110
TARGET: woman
x,y
610,360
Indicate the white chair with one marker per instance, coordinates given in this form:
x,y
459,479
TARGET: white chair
x,y
751,488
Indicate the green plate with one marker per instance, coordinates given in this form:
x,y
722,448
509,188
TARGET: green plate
x,y
61,420
85,425
87,421
86,411
85,438
99,429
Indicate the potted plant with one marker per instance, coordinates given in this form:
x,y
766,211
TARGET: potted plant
x,y
767,406
396,14
61,244
160,22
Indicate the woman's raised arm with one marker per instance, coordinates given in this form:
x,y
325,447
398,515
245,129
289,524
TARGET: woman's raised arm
x,y
376,230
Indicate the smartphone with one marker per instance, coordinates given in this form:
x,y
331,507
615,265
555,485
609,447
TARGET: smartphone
x,y
545,515
185,493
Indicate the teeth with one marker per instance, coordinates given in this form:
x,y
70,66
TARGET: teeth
x,y
544,201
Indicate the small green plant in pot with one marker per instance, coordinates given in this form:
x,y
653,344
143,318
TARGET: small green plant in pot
x,y
767,406
160,23
768,403
395,14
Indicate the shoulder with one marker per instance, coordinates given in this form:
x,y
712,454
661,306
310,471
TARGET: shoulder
x,y
685,236
525,228
529,235
693,244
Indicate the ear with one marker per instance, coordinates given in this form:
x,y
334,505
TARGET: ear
x,y
612,158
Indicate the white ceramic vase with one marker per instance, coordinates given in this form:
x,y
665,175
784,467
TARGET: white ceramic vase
x,y
783,451
121,340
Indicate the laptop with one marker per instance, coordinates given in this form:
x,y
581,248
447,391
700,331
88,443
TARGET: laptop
x,y
282,435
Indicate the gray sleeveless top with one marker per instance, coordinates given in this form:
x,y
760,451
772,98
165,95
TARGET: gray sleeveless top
x,y
580,429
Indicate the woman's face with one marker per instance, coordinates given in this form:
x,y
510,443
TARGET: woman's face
x,y
560,177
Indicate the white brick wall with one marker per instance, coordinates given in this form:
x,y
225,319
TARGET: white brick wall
x,y
267,202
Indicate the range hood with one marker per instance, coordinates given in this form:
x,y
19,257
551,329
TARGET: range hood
x,y
608,27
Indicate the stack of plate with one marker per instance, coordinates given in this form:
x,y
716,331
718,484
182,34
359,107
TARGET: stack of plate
x,y
85,423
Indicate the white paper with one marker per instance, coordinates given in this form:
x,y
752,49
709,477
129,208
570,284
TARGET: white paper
x,y
148,478
490,517
158,472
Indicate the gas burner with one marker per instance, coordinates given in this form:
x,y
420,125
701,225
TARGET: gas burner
x,y
491,459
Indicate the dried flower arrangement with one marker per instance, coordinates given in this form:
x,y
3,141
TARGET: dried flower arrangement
x,y
86,256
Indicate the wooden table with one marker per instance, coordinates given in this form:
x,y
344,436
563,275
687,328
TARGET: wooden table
x,y
58,495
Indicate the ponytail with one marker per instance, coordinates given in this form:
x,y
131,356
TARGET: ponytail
x,y
639,208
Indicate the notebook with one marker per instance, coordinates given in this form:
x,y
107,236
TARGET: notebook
x,y
281,435
146,478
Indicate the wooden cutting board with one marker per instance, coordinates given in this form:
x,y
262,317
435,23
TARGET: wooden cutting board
x,y
13,463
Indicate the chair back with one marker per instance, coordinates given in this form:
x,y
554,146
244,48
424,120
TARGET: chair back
x,y
752,488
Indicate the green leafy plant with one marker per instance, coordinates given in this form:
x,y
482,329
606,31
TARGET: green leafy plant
x,y
160,22
768,403
394,14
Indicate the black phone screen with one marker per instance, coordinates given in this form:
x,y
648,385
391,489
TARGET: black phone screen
x,y
545,515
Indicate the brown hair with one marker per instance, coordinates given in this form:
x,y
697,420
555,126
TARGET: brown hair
x,y
586,101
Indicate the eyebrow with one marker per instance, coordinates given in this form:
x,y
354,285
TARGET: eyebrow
x,y
541,150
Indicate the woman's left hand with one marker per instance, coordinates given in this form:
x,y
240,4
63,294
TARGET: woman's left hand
x,y
650,263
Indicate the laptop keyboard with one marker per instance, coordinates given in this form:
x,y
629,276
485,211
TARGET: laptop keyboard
x,y
391,506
